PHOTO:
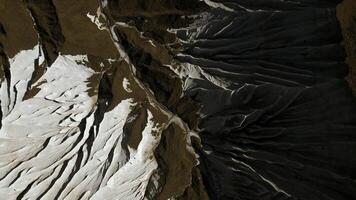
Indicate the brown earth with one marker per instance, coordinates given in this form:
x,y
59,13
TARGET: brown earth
x,y
346,13
18,32
81,35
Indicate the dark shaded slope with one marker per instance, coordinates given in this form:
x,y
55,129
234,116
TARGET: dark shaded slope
x,y
273,5
285,127
49,30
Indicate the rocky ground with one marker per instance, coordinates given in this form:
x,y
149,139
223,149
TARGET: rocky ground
x,y
189,99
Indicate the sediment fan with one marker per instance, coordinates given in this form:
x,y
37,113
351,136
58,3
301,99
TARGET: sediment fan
x,y
189,99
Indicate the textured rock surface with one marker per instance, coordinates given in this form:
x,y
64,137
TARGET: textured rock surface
x,y
223,99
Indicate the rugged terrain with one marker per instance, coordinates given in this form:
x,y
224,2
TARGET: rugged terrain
x,y
177,99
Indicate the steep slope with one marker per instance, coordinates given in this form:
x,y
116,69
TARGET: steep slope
x,y
223,99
